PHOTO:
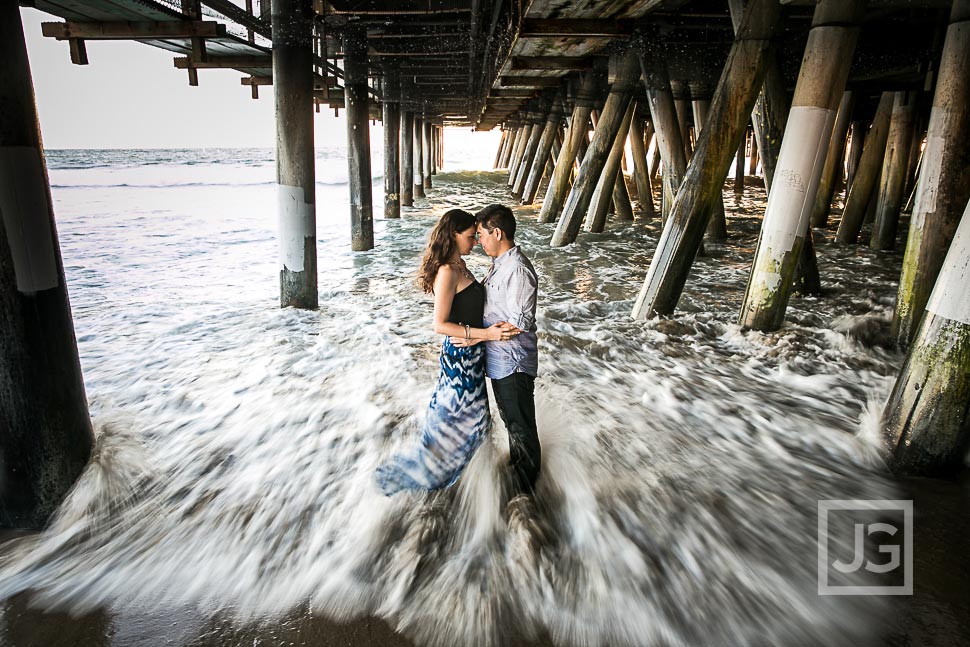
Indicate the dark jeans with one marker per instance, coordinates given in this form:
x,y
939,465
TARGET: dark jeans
x,y
515,396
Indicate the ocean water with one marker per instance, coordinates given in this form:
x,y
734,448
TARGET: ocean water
x,y
684,458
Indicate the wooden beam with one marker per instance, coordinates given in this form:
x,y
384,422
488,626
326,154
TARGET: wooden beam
x,y
79,53
224,62
574,28
531,81
133,30
565,63
511,93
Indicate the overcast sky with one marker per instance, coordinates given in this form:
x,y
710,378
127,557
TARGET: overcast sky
x,y
131,96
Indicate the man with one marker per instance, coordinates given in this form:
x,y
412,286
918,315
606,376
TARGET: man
x,y
512,366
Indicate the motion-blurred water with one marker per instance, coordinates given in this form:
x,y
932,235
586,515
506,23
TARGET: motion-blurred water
x,y
683,458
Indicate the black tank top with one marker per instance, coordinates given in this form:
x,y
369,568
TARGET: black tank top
x,y
468,306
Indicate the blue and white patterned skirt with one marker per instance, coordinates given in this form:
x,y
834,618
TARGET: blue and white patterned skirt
x,y
457,422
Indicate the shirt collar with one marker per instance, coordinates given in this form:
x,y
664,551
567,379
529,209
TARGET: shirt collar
x,y
505,256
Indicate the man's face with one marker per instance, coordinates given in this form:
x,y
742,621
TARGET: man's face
x,y
488,239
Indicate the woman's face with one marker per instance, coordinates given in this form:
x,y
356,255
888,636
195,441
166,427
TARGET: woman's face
x,y
466,241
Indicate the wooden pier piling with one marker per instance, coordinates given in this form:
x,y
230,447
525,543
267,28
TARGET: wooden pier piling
x,y
428,147
607,190
295,160
944,179
418,160
716,224
501,148
663,115
46,438
892,180
734,99
853,154
575,137
530,154
522,138
833,162
927,417
392,147
739,164
821,82
867,174
641,168
544,149
407,159
770,113
614,112
357,104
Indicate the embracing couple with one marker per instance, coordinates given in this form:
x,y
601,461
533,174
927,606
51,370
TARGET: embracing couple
x,y
490,329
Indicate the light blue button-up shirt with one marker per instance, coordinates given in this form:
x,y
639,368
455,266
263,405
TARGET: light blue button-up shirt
x,y
510,295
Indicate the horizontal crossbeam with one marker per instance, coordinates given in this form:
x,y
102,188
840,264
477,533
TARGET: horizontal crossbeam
x,y
133,30
224,62
550,63
574,28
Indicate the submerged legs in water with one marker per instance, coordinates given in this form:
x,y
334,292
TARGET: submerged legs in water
x,y
515,396
457,421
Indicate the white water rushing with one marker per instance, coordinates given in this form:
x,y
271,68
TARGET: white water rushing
x,y
683,459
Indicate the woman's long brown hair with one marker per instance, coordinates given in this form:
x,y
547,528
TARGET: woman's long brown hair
x,y
441,245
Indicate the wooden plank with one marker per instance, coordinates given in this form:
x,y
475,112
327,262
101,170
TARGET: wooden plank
x,y
584,28
511,93
531,81
79,52
564,63
224,62
133,30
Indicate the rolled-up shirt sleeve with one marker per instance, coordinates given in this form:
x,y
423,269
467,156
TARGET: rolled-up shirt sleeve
x,y
523,287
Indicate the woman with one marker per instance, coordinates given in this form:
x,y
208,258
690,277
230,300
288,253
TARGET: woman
x,y
458,417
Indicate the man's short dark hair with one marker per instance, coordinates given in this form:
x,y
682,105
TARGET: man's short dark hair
x,y
497,216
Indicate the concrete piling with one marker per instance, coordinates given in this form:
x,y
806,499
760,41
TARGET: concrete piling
x,y
892,180
926,421
944,179
614,112
46,438
734,99
821,82
295,161
866,175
